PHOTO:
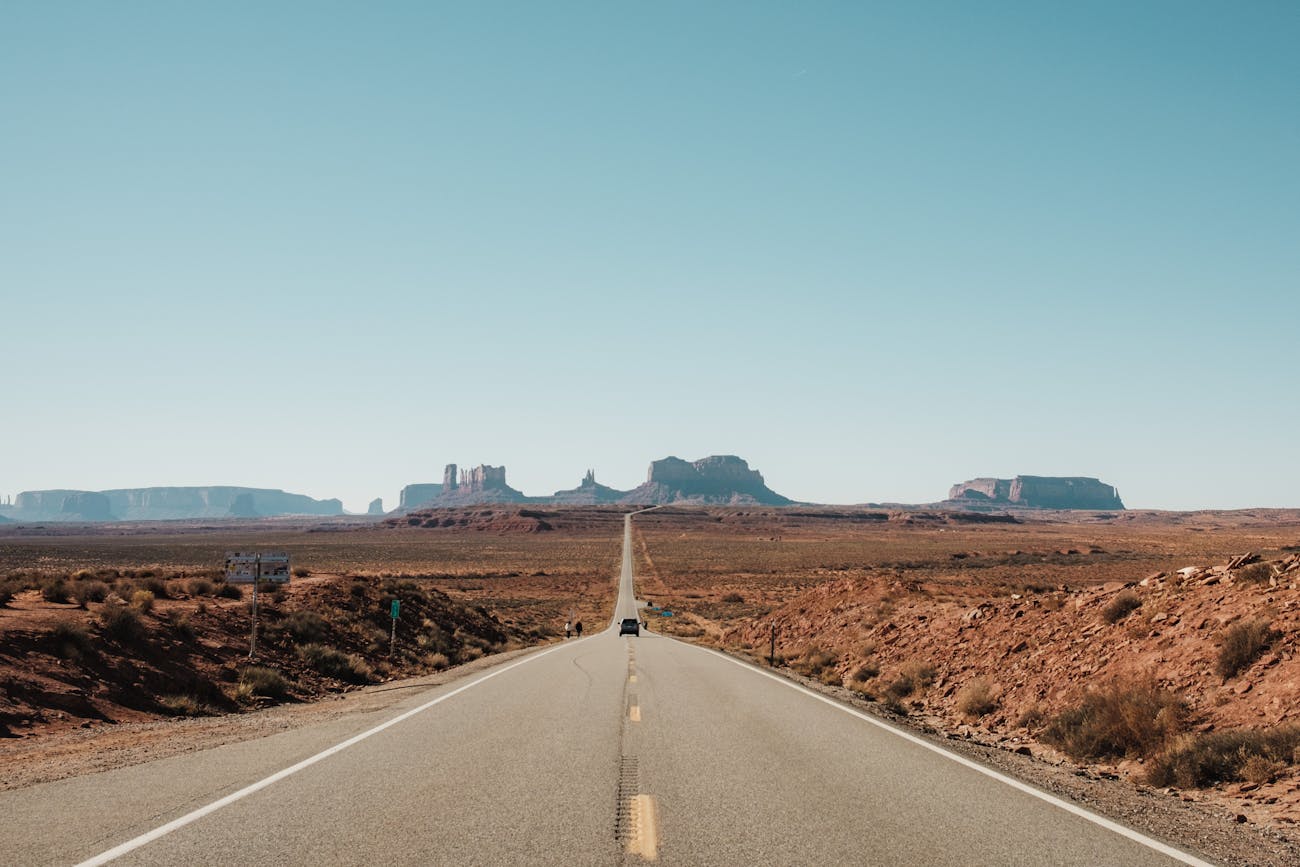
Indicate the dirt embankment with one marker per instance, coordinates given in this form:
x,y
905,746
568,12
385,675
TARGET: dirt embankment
x,y
128,653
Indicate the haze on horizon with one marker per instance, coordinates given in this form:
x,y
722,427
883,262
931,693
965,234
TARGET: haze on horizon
x,y
872,249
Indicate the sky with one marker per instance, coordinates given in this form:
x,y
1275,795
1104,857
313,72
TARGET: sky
x,y
873,248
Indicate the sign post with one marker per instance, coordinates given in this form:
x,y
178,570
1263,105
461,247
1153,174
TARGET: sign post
x,y
249,568
392,639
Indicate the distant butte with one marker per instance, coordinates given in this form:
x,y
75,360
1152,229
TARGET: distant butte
x,y
1037,492
715,480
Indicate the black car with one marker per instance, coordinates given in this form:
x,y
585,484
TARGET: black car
x,y
630,626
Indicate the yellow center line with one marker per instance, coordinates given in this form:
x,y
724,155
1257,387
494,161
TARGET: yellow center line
x,y
634,713
631,678
644,840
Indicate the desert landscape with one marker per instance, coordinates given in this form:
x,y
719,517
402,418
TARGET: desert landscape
x,y
1153,650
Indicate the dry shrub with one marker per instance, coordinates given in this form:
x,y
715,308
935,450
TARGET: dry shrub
x,y
142,601
1227,756
1255,573
72,641
306,627
86,592
182,627
259,680
1124,603
437,660
920,672
155,585
815,661
200,587
335,663
230,591
1133,718
976,699
121,624
733,597
1032,717
864,672
184,705
54,590
863,688
1241,644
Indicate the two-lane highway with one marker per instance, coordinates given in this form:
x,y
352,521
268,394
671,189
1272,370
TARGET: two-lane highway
x,y
603,750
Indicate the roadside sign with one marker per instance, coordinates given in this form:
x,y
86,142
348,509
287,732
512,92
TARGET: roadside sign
x,y
243,567
397,607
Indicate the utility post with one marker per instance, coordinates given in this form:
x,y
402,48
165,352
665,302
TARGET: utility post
x,y
257,579
392,639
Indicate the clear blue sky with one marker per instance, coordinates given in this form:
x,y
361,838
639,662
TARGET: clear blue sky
x,y
874,248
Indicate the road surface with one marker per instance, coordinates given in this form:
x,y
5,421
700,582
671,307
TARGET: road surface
x,y
602,750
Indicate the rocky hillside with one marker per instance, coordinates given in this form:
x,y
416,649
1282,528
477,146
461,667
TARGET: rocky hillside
x,y
115,646
1188,678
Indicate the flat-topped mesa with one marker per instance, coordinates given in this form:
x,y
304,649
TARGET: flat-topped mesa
x,y
1038,492
418,494
715,479
166,503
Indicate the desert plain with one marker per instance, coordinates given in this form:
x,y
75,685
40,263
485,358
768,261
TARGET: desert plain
x,y
1150,651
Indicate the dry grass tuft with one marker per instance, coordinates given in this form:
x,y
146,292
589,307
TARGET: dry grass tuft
x,y
976,699
1125,718
1124,604
1256,755
1241,644
336,664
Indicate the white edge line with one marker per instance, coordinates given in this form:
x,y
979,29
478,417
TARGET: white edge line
x,y
163,830
1075,809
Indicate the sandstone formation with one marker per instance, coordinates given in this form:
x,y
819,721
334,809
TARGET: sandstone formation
x,y
414,496
481,484
60,505
1037,492
376,506
589,493
243,507
718,479
715,479
166,503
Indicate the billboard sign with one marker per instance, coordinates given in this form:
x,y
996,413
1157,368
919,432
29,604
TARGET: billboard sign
x,y
245,567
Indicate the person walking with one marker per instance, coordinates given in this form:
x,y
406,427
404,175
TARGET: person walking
x,y
566,629
577,627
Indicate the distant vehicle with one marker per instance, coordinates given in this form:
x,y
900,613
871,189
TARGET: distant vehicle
x,y
630,626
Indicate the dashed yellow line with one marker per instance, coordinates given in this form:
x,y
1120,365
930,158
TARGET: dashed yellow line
x,y
631,678
634,713
644,839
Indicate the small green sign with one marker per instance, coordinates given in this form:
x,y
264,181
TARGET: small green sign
x,y
397,607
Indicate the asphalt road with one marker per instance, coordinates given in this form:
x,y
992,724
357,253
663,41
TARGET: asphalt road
x,y
602,750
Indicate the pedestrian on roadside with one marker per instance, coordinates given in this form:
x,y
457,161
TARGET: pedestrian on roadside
x,y
566,629
577,627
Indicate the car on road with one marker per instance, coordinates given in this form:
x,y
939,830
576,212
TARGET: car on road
x,y
630,626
